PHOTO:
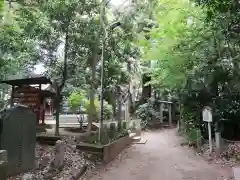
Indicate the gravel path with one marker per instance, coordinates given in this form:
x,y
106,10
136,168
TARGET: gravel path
x,y
161,158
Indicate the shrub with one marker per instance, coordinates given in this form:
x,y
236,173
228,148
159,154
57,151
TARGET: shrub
x,y
76,101
107,111
107,135
146,112
124,126
112,130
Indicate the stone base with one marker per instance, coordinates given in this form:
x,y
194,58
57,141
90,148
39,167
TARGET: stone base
x,y
3,170
142,141
111,151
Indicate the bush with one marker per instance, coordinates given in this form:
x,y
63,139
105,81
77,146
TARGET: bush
x,y
112,130
108,135
107,111
76,101
124,126
146,112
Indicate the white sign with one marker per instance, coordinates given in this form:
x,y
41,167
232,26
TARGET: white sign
x,y
207,114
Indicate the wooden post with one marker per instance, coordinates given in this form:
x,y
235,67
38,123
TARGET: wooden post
x,y
170,113
218,142
38,104
12,96
210,137
161,112
43,111
207,117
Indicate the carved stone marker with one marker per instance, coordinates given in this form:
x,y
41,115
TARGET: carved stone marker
x,y
18,137
59,154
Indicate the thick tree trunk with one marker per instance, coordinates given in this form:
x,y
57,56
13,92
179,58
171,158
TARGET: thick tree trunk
x,y
92,110
130,101
93,62
146,90
119,107
57,102
59,87
112,101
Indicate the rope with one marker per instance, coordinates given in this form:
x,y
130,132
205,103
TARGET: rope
x,y
227,140
231,141
196,139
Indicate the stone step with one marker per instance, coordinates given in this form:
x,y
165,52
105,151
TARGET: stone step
x,y
137,138
132,135
142,141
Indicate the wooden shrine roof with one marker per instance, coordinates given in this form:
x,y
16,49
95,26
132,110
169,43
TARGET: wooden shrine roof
x,y
29,80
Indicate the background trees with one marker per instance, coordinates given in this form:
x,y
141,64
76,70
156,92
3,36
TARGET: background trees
x,y
66,38
195,49
184,48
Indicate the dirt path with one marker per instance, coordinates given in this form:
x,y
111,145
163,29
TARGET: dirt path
x,y
161,158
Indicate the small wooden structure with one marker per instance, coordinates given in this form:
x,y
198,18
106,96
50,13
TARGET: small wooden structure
x,y
29,91
165,106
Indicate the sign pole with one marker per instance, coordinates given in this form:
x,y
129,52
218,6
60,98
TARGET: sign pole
x,y
207,117
210,137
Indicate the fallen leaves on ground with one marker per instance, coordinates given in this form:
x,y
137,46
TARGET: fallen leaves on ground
x,y
74,159
229,157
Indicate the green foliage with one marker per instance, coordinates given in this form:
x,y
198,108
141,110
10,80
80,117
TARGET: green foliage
x,y
124,125
107,110
146,112
109,135
77,100
164,47
194,53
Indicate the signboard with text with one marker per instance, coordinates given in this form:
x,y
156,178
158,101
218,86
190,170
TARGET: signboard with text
x,y
207,114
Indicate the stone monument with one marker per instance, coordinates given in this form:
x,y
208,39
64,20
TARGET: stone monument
x,y
59,154
18,138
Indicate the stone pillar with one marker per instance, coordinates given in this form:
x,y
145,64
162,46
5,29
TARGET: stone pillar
x,y
59,154
218,142
3,155
170,113
12,96
127,117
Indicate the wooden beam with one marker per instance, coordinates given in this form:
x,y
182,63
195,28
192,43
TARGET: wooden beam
x,y
12,100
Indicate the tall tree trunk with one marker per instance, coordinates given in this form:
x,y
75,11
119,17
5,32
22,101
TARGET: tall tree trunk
x,y
146,90
119,107
93,62
130,101
112,101
92,112
59,87
57,102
